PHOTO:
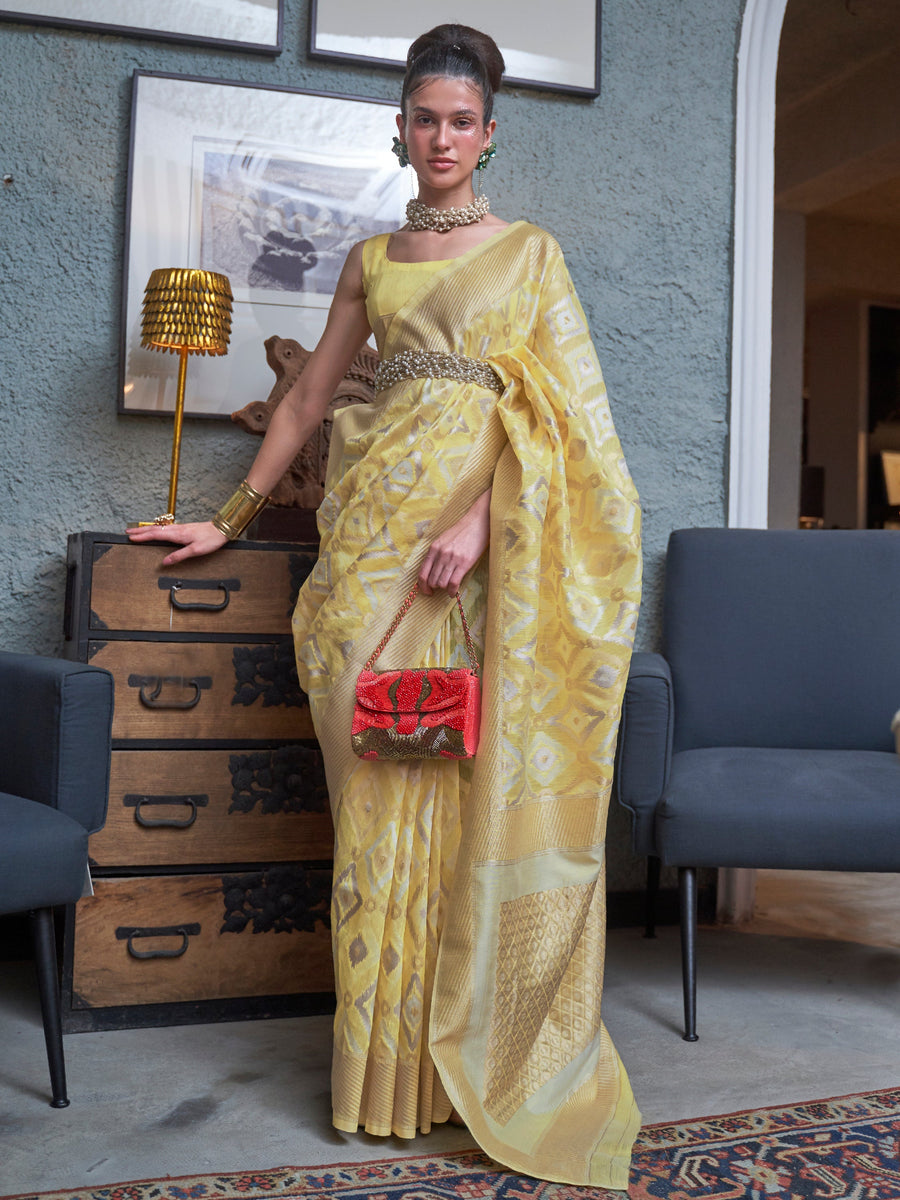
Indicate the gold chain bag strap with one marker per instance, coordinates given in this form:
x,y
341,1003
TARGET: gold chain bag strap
x,y
419,712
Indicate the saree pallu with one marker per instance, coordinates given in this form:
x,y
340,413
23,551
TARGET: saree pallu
x,y
469,901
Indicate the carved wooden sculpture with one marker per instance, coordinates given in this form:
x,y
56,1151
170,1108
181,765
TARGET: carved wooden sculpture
x,y
303,485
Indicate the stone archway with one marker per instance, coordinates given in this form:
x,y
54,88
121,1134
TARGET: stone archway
x,y
751,338
754,192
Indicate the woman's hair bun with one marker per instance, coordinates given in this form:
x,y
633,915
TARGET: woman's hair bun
x,y
457,51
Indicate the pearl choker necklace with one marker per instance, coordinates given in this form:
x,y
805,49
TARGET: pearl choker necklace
x,y
422,216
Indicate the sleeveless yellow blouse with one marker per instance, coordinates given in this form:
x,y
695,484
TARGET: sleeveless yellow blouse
x,y
388,284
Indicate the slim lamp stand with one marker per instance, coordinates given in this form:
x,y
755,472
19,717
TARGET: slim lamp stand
x,y
183,353
186,312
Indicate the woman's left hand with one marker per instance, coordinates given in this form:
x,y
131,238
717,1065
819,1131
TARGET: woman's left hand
x,y
456,551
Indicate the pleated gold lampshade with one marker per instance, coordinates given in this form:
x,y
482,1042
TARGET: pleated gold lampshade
x,y
187,309
186,312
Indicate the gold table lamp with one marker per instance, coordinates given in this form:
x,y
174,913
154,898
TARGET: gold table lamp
x,y
188,312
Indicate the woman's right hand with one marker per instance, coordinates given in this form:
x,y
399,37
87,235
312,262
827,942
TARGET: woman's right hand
x,y
196,539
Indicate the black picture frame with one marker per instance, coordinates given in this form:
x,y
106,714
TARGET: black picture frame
x,y
185,24
521,42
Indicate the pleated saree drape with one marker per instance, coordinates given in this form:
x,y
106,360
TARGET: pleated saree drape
x,y
468,911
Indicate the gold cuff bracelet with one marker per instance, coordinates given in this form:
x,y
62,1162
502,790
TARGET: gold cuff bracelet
x,y
236,514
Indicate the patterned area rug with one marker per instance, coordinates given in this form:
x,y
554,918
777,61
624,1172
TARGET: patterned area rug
x,y
841,1149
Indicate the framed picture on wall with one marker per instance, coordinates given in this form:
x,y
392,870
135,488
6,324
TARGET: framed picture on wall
x,y
556,49
269,186
237,24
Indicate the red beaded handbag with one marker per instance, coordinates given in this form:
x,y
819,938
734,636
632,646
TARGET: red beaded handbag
x,y
420,712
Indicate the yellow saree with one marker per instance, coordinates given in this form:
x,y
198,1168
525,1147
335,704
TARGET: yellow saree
x,y
468,913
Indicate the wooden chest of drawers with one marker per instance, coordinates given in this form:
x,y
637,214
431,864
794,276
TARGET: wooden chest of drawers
x,y
212,876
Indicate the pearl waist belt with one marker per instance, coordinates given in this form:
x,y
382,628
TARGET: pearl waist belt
x,y
430,364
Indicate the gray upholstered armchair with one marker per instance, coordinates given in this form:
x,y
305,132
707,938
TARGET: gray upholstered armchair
x,y
56,719
761,737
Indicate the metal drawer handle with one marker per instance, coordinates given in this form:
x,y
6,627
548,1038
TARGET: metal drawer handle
x,y
150,699
138,803
174,586
129,933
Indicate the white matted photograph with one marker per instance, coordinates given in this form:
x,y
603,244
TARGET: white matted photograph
x,y
238,24
556,50
269,186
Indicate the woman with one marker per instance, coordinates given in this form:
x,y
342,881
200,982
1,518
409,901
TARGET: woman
x,y
468,906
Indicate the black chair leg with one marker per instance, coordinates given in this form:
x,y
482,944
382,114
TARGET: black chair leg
x,y
654,866
44,940
687,895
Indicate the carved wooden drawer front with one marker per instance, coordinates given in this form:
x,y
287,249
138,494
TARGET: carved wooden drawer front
x,y
215,806
237,591
199,937
208,690
212,874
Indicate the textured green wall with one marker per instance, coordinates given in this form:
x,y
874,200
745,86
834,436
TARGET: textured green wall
x,y
637,185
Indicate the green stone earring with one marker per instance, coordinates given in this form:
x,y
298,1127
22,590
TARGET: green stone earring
x,y
484,157
402,153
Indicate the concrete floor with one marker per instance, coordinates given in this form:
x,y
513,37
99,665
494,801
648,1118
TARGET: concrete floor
x,y
786,1013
